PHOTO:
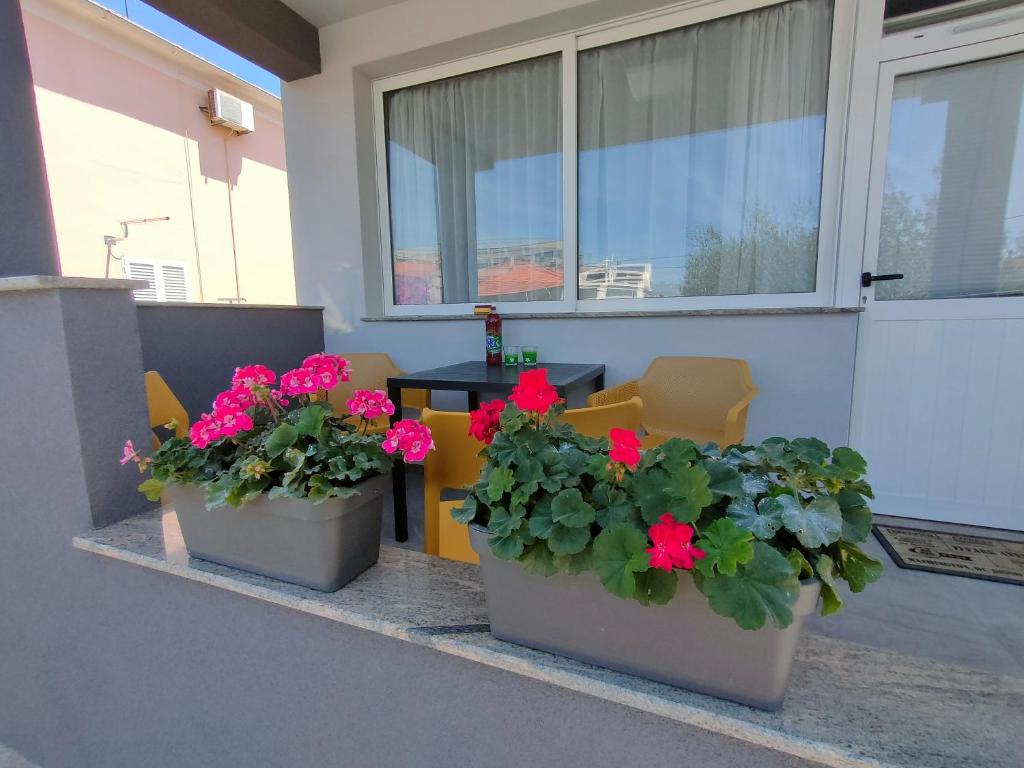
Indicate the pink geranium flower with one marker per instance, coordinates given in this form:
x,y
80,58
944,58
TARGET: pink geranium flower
x,y
533,392
231,421
250,376
129,453
301,381
324,361
370,404
204,431
485,421
673,547
239,396
625,447
409,437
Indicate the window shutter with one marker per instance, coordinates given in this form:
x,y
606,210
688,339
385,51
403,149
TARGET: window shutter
x,y
175,288
141,270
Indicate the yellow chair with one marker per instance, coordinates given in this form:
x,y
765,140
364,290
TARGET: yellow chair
x,y
164,407
370,370
705,399
454,464
598,421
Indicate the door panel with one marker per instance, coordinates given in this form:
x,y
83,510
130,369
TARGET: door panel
x,y
939,392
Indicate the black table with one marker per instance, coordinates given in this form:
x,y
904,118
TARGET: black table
x,y
474,377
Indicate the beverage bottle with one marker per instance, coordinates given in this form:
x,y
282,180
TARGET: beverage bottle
x,y
492,333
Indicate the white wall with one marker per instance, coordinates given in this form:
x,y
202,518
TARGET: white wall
x,y
802,363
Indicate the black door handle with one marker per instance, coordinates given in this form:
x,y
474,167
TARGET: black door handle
x,y
867,278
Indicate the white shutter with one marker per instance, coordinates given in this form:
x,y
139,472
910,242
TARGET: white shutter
x,y
142,270
175,286
168,280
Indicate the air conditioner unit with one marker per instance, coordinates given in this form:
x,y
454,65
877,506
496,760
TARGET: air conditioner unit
x,y
229,111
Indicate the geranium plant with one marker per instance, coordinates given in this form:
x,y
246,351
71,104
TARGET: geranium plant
x,y
747,523
264,436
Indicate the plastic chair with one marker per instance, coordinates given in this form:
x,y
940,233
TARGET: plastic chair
x,y
705,399
454,464
370,370
598,421
164,407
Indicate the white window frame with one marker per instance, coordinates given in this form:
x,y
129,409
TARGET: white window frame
x,y
158,277
569,45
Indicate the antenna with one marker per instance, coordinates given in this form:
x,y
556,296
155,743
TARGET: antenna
x,y
110,241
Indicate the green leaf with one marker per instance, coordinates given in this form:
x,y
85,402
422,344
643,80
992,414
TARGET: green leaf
x,y
578,563
281,438
801,567
689,493
499,482
152,488
810,449
754,484
831,602
505,523
507,547
723,480
574,459
320,488
651,491
856,515
310,420
537,558
569,509
765,588
764,524
655,586
541,523
726,545
466,512
618,555
856,567
677,453
849,464
529,476
818,524
612,505
568,541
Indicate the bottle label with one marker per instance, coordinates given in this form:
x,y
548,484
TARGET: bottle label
x,y
493,343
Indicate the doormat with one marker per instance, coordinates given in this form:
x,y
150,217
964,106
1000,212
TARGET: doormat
x,y
976,557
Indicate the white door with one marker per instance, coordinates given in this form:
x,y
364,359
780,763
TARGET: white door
x,y
939,389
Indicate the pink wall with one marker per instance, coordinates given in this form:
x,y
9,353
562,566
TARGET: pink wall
x,y
124,138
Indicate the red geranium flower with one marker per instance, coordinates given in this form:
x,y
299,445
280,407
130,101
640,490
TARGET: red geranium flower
x,y
672,545
485,421
625,447
533,393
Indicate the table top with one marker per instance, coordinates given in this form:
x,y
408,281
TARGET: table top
x,y
477,376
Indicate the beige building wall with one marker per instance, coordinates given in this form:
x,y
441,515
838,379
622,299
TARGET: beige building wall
x,y
124,138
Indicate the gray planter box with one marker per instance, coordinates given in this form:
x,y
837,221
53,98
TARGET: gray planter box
x,y
684,643
322,546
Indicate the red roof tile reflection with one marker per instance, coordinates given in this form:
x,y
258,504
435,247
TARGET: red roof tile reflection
x,y
519,278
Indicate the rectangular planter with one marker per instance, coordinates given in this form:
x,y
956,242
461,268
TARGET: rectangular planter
x,y
683,643
322,546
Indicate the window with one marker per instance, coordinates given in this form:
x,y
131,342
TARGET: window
x,y
953,204
676,161
168,280
475,185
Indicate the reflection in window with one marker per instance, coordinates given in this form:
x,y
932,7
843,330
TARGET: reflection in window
x,y
700,157
475,186
953,206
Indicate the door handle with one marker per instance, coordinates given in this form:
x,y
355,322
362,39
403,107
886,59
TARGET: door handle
x,y
866,279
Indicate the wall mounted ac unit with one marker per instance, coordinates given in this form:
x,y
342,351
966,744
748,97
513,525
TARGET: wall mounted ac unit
x,y
229,111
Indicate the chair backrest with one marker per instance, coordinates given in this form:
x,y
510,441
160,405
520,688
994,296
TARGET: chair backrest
x,y
598,421
685,392
164,407
370,370
453,464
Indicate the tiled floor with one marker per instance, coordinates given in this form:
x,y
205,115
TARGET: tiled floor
x,y
951,619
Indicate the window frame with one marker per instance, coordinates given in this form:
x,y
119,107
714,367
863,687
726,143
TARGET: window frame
x,y
569,46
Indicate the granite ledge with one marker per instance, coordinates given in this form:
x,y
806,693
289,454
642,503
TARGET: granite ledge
x,y
51,282
849,706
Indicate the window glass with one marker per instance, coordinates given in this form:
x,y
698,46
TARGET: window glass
x,y
953,204
475,186
700,157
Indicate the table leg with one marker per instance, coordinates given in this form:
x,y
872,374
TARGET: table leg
x,y
599,382
398,474
473,400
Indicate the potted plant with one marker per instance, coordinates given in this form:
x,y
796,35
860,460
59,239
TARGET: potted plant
x,y
684,564
271,481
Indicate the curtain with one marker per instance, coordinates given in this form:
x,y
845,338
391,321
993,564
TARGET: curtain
x,y
474,178
701,153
